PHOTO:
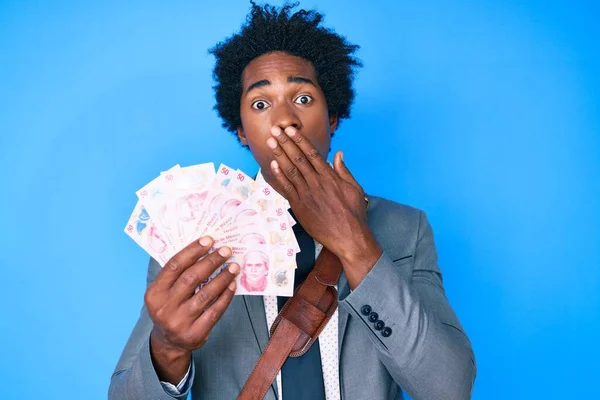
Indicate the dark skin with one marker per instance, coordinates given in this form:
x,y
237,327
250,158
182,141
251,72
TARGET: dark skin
x,y
183,319
286,125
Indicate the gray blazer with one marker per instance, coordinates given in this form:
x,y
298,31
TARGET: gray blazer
x,y
427,355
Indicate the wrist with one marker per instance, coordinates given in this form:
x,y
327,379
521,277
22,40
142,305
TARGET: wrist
x,y
359,245
359,255
170,363
162,348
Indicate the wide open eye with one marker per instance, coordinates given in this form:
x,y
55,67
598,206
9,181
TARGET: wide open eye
x,y
260,105
303,99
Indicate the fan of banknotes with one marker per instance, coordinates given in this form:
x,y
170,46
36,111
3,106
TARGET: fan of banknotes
x,y
185,203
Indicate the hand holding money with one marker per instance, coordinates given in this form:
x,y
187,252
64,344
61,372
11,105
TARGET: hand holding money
x,y
240,223
184,316
250,217
328,203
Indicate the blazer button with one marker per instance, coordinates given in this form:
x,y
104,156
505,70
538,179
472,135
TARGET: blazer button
x,y
366,309
373,317
386,332
379,324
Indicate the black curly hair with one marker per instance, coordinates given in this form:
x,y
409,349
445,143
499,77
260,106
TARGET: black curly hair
x,y
268,29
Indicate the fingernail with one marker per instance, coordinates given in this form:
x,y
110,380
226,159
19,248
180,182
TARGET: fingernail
x,y
290,131
224,251
272,143
275,165
275,131
341,156
231,286
234,268
205,241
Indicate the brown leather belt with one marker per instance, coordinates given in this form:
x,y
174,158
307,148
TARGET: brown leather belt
x,y
298,324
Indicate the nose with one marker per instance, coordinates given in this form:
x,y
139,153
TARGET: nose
x,y
284,116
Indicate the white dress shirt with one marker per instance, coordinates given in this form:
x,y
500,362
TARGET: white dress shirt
x,y
328,346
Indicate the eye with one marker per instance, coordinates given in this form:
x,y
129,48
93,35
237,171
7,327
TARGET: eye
x,y
304,99
260,105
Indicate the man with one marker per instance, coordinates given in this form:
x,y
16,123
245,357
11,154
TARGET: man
x,y
255,271
283,85
189,206
253,239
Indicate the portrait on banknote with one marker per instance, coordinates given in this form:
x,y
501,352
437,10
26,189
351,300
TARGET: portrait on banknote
x,y
255,270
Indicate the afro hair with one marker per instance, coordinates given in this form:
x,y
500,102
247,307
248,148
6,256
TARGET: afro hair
x,y
268,29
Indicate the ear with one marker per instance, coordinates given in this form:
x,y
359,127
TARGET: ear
x,y
242,136
333,123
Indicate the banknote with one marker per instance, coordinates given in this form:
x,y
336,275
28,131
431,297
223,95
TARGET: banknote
x,y
194,188
242,185
156,198
264,270
249,216
251,219
147,235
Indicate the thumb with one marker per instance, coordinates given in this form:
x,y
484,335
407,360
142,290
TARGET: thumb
x,y
340,167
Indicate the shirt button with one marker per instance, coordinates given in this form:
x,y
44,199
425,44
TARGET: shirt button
x,y
386,332
373,317
379,324
366,309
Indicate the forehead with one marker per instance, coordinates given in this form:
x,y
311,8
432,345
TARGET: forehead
x,y
277,66
254,258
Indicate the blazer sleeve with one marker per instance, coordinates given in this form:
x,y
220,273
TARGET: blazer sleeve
x,y
134,377
427,352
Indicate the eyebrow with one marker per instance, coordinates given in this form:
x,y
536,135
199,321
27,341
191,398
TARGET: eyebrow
x,y
290,79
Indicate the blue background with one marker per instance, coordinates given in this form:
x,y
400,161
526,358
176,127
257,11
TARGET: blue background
x,y
484,114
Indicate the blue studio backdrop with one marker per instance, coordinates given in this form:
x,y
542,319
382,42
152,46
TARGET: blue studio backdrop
x,y
484,114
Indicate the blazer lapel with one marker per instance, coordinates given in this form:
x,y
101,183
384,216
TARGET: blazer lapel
x,y
256,312
342,314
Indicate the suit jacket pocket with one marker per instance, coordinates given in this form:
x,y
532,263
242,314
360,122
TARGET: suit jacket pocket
x,y
404,265
402,260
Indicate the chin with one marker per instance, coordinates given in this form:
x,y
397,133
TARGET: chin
x,y
266,172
